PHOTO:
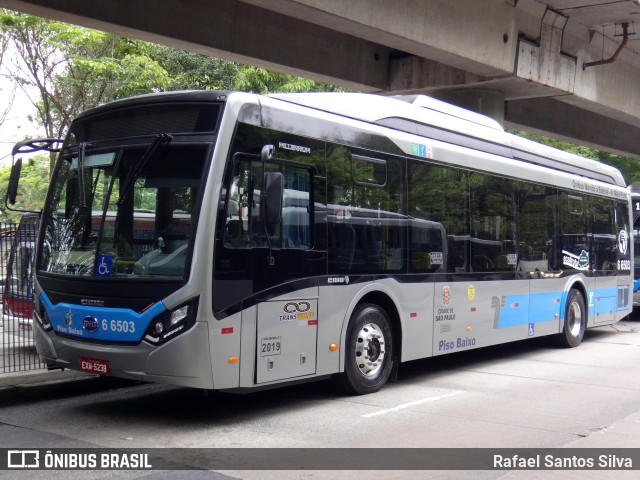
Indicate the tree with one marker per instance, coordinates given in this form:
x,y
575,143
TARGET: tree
x,y
259,80
8,96
189,70
72,69
192,71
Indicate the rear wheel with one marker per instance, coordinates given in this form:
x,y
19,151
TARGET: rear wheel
x,y
369,349
575,321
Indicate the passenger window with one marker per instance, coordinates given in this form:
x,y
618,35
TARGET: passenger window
x,y
538,224
493,226
605,235
427,235
366,216
370,171
574,249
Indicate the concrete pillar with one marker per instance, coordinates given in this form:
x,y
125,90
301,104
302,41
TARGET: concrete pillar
x,y
487,102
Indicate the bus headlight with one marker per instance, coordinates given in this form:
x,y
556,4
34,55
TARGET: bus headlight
x,y
178,315
172,323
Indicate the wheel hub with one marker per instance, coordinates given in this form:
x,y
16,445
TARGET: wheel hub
x,y
370,350
575,319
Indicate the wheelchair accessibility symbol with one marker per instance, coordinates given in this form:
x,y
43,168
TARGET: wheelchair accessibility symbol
x,y
104,267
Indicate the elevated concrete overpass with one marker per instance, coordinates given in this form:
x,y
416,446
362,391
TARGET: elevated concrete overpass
x,y
566,68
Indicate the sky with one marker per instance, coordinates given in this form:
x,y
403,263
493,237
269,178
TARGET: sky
x,y
16,126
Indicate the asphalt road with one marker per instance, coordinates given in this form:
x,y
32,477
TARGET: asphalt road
x,y
523,395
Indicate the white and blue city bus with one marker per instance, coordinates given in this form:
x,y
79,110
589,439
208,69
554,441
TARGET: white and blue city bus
x,y
301,236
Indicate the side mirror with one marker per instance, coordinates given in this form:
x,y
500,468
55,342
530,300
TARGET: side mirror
x,y
37,145
14,179
50,145
272,202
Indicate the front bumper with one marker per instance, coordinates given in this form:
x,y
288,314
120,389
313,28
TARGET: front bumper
x,y
184,360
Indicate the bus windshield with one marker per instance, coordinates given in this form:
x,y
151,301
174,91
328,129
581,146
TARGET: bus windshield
x,y
124,210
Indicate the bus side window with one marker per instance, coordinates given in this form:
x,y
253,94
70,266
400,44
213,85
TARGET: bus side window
x,y
244,224
296,207
538,224
573,225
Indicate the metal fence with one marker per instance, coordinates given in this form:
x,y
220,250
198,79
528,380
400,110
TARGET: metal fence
x,y
17,249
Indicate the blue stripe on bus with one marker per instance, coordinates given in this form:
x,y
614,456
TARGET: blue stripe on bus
x,y
100,323
607,299
516,307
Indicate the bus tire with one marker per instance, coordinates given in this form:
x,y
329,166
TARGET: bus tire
x,y
575,321
369,351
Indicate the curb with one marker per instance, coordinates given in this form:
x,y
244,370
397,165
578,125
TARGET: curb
x,y
40,377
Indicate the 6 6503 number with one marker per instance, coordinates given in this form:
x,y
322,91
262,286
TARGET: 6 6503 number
x,y
124,326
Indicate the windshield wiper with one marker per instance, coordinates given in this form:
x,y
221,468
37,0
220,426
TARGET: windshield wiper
x,y
160,141
82,196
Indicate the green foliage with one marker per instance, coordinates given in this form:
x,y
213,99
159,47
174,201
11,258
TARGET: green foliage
x,y
259,80
188,71
75,68
192,71
32,188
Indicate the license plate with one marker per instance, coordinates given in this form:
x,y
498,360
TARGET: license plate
x,y
94,365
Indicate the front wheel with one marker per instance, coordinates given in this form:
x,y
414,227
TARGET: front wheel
x,y
575,321
369,349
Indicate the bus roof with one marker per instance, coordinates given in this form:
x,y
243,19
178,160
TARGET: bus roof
x,y
415,114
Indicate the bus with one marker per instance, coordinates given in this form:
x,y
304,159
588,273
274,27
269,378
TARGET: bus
x,y
17,294
294,237
634,189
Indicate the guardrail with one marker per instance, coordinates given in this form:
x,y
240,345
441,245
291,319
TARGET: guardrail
x,y
17,348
